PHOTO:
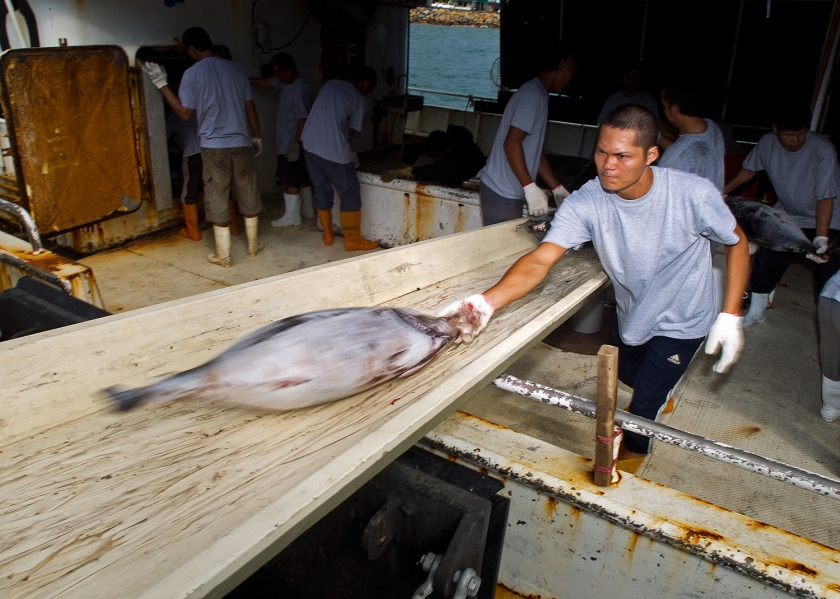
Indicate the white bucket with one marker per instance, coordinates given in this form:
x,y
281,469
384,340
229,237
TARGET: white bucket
x,y
588,318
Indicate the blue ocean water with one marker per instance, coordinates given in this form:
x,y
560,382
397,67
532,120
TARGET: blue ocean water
x,y
453,59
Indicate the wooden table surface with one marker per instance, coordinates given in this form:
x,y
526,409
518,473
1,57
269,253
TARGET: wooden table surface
x,y
187,500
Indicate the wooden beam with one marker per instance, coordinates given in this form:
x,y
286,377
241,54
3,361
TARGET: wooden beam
x,y
187,500
606,439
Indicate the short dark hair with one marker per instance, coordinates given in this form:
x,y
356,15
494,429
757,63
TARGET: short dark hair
x,y
363,73
198,38
552,53
687,97
637,119
283,62
791,117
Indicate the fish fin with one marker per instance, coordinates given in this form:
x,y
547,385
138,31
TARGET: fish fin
x,y
125,399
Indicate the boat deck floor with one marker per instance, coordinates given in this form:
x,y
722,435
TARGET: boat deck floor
x,y
768,404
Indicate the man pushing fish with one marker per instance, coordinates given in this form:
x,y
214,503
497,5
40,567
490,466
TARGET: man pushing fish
x,y
802,166
651,228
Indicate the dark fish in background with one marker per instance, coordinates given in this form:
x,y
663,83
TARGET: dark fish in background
x,y
769,227
306,360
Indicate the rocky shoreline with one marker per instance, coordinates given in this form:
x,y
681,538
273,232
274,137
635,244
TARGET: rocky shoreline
x,y
455,18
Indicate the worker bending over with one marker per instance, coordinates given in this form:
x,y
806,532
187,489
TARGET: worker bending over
x,y
219,93
338,112
507,181
699,148
802,167
651,228
456,156
292,110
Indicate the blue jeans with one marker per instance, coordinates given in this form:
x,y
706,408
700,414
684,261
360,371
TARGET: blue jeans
x,y
324,174
652,370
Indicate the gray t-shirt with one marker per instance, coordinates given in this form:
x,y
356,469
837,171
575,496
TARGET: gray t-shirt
x,y
643,99
293,106
654,249
527,110
831,290
799,178
698,153
217,90
339,105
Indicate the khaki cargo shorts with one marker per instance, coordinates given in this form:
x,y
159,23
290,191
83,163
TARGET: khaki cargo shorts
x,y
226,170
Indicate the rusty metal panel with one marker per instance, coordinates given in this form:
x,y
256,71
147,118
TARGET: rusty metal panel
x,y
73,126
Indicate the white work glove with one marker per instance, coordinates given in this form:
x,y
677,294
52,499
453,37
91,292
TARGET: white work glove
x,y
559,194
727,335
752,248
256,143
534,196
821,244
470,315
156,73
293,152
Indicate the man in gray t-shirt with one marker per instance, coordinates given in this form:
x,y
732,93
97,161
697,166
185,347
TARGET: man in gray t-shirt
x,y
651,228
700,147
507,180
802,166
338,112
218,92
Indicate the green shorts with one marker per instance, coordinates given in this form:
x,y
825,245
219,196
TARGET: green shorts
x,y
227,170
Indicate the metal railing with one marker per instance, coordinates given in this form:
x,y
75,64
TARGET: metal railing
x,y
798,477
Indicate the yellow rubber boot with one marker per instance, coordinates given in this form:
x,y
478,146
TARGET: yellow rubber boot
x,y
325,217
191,230
353,240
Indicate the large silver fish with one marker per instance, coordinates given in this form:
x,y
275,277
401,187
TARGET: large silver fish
x,y
769,227
306,360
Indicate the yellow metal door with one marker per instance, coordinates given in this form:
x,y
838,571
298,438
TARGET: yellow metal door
x,y
73,121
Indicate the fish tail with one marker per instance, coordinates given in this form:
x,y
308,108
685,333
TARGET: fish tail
x,y
126,399
163,391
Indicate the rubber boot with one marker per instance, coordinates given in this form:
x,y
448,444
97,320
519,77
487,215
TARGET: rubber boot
x,y
758,306
325,218
351,225
292,216
222,255
307,210
234,218
830,410
255,246
191,230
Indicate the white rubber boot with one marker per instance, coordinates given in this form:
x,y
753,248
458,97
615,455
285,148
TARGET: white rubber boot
x,y
292,216
758,305
830,410
222,255
307,209
255,246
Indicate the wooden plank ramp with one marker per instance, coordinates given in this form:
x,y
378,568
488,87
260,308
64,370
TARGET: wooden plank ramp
x,y
188,499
